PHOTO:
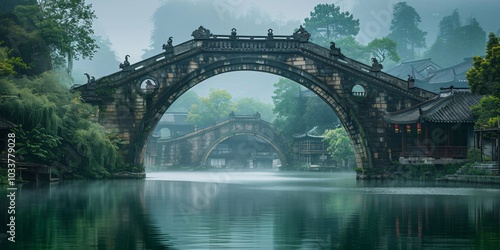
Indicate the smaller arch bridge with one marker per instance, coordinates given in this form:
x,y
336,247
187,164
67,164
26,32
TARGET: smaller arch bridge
x,y
193,149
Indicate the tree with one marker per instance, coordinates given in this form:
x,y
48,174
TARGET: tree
x,y
103,61
53,124
353,49
22,39
250,106
380,48
185,102
339,146
318,113
484,76
9,65
484,79
405,31
211,109
455,42
66,26
326,23
289,107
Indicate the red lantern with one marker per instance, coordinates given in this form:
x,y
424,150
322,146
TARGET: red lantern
x,y
396,128
408,128
419,128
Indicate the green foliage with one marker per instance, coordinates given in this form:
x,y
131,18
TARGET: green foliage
x,y
484,76
28,107
204,111
250,106
353,49
184,102
289,107
318,113
405,31
211,109
24,42
65,25
487,112
455,42
484,79
8,63
37,145
326,23
474,155
339,145
56,127
297,111
99,154
382,48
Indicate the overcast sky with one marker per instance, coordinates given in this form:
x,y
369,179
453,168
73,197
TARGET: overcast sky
x,y
128,26
127,23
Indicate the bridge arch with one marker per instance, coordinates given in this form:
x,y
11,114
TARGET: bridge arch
x,y
325,72
277,148
268,65
193,149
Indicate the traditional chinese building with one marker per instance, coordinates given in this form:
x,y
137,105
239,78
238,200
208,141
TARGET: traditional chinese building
x,y
430,76
309,149
437,131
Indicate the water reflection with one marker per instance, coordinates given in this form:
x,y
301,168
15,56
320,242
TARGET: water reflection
x,y
266,210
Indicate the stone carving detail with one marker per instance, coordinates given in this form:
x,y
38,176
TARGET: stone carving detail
x,y
334,51
201,33
376,66
411,81
233,33
168,46
301,34
270,34
90,80
125,63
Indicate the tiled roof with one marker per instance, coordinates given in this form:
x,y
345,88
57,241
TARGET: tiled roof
x,y
452,74
419,69
4,124
313,133
451,107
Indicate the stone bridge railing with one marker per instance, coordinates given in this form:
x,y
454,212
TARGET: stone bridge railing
x,y
262,44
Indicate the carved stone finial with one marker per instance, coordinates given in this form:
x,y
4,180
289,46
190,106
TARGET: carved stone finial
x,y
334,50
125,63
201,33
376,66
270,34
301,34
411,79
168,46
90,80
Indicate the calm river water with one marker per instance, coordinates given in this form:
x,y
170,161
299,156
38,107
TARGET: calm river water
x,y
253,210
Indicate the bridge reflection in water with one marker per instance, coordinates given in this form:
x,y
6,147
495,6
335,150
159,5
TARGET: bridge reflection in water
x,y
254,210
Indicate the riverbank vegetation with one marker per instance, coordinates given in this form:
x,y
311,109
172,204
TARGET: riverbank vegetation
x,y
38,42
55,128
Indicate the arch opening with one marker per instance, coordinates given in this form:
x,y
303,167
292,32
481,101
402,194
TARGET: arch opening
x,y
301,77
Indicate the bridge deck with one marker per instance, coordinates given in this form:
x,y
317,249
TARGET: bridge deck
x,y
266,44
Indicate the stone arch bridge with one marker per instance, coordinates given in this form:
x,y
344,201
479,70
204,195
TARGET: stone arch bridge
x,y
132,100
194,148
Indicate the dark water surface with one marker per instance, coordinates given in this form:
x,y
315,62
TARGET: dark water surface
x,y
253,210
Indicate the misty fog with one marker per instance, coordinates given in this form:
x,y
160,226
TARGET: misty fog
x,y
139,29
